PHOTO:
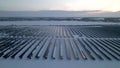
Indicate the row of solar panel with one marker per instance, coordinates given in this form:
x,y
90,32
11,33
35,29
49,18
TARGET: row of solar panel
x,y
69,48
60,31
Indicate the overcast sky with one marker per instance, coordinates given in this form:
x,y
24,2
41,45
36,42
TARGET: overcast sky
x,y
69,5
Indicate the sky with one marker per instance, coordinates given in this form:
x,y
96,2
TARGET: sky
x,y
67,5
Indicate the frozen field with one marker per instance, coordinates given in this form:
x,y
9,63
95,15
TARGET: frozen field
x,y
55,23
94,40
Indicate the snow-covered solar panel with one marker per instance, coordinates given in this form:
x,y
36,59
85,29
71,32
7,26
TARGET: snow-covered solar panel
x,y
60,42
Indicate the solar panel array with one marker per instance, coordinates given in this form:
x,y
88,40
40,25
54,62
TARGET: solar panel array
x,y
60,42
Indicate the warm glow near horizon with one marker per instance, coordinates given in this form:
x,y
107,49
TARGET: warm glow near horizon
x,y
115,8
68,5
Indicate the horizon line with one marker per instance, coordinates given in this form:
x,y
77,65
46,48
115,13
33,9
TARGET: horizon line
x,y
63,10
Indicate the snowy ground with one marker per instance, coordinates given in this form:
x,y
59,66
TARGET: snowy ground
x,y
57,63
55,23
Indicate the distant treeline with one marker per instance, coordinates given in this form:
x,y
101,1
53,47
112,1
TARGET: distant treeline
x,y
87,19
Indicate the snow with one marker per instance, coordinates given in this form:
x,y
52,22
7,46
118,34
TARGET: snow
x,y
55,23
57,63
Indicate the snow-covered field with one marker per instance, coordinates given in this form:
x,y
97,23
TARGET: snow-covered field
x,y
10,63
55,23
57,63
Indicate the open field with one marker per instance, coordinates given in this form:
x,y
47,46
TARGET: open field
x,y
63,45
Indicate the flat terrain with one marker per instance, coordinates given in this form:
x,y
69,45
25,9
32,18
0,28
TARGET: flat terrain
x,y
51,46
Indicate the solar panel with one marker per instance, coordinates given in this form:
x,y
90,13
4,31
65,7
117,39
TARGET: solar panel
x,y
60,42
